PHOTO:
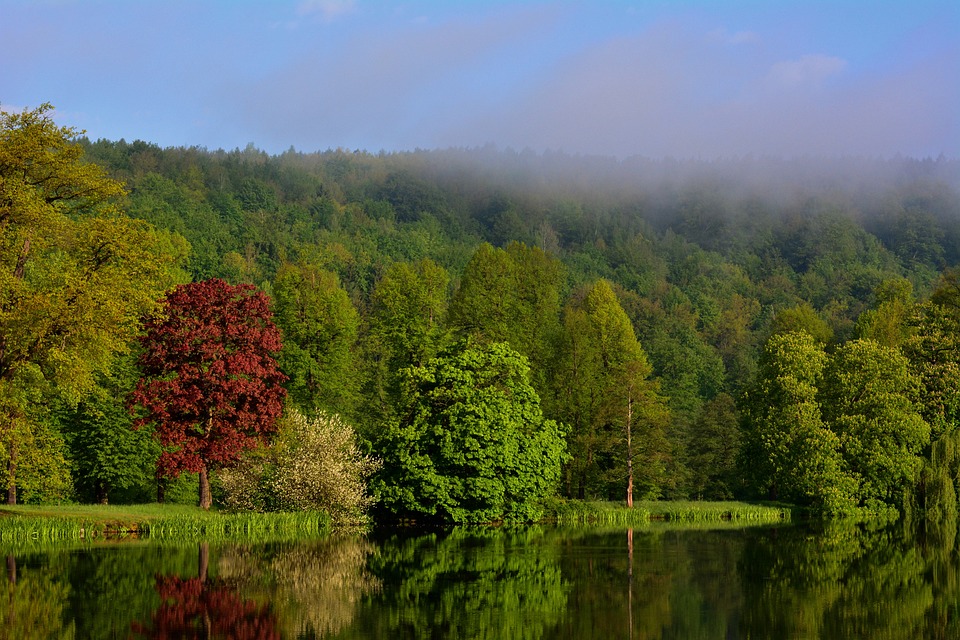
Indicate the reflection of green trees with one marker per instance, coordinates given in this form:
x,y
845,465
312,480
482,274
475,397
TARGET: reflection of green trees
x,y
847,581
32,602
467,583
840,580
102,577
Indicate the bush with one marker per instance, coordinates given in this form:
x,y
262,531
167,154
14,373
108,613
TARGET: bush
x,y
313,465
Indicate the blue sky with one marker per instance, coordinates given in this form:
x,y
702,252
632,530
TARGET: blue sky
x,y
654,78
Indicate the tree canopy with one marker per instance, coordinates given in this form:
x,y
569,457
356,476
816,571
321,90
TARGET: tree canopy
x,y
211,386
76,276
472,444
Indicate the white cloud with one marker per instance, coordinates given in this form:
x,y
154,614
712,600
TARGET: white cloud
x,y
809,70
326,9
738,38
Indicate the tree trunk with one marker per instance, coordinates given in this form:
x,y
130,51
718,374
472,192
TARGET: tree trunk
x,y
630,453
206,500
12,569
203,561
101,491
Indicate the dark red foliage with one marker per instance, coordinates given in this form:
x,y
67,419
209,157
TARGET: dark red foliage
x,y
210,385
193,608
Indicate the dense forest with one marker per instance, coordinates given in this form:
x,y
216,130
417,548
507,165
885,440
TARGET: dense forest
x,y
744,327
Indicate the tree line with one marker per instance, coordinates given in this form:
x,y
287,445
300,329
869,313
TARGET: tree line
x,y
487,327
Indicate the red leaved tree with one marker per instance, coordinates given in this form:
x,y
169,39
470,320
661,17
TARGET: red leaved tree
x,y
211,386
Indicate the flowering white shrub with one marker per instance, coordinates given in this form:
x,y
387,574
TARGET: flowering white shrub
x,y
320,467
314,465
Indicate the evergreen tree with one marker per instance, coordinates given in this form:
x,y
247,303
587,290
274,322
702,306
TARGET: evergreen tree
x,y
603,393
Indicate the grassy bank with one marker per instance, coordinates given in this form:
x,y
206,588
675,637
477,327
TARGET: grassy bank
x,y
23,523
26,523
617,513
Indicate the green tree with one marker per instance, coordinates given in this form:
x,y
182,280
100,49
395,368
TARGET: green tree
x,y
803,317
933,349
485,304
472,444
109,455
406,326
603,393
789,452
867,401
410,309
888,322
714,448
76,275
320,327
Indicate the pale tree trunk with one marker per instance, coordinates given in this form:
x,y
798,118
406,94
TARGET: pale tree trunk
x,y
206,500
630,452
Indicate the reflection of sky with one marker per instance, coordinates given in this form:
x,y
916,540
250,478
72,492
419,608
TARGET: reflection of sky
x,y
655,78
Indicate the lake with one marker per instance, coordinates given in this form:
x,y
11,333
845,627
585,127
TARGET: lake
x,y
657,581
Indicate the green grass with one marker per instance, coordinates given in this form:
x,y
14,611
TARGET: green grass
x,y
617,513
27,523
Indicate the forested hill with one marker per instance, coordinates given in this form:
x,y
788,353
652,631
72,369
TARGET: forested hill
x,y
707,259
634,221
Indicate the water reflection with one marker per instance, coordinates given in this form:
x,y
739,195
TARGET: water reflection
x,y
315,586
843,580
32,604
466,583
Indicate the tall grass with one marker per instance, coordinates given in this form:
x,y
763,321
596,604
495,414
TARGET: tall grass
x,y
616,513
698,511
27,524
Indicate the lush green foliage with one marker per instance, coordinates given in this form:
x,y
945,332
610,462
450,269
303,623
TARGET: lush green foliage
x,y
75,277
839,431
472,444
605,395
790,453
643,295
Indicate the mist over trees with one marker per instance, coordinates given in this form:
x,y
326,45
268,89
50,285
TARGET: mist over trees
x,y
665,318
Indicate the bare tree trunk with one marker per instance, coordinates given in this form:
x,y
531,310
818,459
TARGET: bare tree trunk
x,y
206,500
22,260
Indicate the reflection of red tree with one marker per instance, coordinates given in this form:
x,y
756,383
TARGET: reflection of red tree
x,y
194,608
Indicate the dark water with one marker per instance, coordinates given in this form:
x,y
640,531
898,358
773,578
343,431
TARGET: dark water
x,y
788,582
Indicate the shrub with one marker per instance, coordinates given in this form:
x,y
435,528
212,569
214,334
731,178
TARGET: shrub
x,y
313,465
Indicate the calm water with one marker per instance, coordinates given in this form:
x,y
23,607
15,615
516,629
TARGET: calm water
x,y
541,582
